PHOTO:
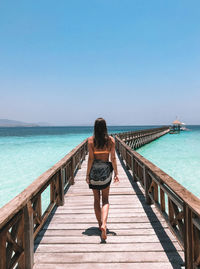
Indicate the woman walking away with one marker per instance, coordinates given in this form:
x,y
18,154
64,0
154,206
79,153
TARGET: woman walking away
x,y
101,146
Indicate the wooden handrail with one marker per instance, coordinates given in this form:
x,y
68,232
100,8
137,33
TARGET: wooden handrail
x,y
183,210
126,135
21,219
136,139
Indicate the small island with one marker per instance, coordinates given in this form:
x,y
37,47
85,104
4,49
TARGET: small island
x,y
14,123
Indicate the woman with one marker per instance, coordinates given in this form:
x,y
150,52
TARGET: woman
x,y
101,147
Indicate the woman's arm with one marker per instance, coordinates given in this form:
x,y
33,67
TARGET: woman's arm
x,y
90,159
113,160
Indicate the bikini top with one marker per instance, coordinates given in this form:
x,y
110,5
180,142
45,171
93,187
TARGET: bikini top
x,y
105,151
101,152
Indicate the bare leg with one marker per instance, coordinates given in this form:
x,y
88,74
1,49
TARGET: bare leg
x,y
97,208
104,211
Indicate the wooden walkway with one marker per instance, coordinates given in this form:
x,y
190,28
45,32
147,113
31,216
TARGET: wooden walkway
x,y
138,236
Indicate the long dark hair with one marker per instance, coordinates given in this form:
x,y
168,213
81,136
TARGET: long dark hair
x,y
101,137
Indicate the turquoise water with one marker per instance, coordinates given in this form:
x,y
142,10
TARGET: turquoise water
x,y
25,153
179,156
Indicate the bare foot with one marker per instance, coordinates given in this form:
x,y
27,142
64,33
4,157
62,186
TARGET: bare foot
x,y
103,233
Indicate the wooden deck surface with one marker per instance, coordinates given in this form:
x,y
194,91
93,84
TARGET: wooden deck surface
x,y
138,236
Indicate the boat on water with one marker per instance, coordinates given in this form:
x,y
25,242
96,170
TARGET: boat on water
x,y
183,127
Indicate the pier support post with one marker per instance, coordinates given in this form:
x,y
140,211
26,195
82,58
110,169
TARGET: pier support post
x,y
146,185
120,152
188,237
28,236
133,167
80,160
126,159
72,170
61,185
3,239
84,153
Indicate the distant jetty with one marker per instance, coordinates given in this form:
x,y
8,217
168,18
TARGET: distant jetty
x,y
177,126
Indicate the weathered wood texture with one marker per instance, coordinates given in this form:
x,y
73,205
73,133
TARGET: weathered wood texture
x,y
138,237
183,211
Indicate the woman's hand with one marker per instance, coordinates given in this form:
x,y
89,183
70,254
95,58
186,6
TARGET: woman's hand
x,y
116,179
87,179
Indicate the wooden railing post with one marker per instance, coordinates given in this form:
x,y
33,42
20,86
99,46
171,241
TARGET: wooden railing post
x,y
80,160
162,200
133,168
3,239
146,185
52,193
28,236
126,159
72,170
170,211
120,151
188,237
84,152
86,148
61,186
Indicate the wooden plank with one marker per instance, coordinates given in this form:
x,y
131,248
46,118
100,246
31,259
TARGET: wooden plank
x,y
90,215
152,256
96,239
117,207
128,206
88,200
87,219
151,265
118,191
118,247
111,232
116,196
111,225
121,185
119,211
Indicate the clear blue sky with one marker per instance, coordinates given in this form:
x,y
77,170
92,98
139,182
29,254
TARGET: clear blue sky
x,y
69,62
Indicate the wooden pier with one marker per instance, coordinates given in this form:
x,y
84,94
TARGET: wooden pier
x,y
154,222
137,234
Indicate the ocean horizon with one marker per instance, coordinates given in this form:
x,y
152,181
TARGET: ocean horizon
x,y
27,152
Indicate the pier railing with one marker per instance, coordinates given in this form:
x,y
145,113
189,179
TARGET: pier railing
x,y
21,219
139,138
182,211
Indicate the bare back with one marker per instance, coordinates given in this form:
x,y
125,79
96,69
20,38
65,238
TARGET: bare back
x,y
101,154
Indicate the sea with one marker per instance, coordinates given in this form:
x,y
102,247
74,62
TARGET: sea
x,y
27,152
